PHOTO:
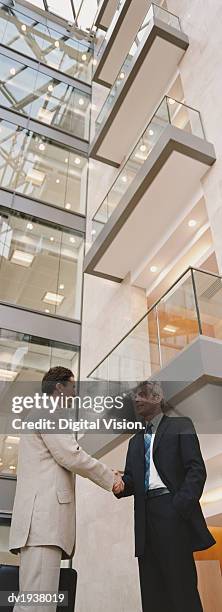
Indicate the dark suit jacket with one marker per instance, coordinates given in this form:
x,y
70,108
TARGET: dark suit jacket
x,y
178,460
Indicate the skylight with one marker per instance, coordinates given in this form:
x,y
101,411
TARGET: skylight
x,y
81,12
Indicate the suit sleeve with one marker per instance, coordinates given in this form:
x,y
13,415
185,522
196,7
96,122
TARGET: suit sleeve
x,y
191,490
127,476
67,452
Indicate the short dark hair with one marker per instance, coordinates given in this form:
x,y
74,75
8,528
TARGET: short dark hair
x,y
55,375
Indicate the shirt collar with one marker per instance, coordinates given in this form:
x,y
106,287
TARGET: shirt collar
x,y
156,421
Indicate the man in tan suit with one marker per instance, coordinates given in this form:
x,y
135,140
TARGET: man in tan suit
x,y
43,520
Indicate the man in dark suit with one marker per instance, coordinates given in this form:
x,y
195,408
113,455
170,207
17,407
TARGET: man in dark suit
x,y
166,474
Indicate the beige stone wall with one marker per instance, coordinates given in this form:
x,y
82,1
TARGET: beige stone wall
x,y
202,83
109,311
108,579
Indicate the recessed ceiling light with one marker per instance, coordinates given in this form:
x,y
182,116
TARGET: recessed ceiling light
x,y
50,88
9,447
192,223
151,132
84,57
93,232
12,71
81,101
7,375
57,44
124,178
72,239
61,286
35,176
171,101
42,147
47,311
68,205
23,28
13,439
77,161
52,238
57,181
66,160
122,75
29,226
53,298
22,258
12,467
170,328
153,269
143,148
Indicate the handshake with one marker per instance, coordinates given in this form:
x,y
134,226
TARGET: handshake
x,y
118,485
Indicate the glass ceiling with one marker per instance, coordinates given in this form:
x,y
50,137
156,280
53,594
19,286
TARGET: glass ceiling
x,y
80,12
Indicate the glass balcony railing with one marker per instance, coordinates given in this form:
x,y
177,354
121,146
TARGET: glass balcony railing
x,y
37,95
69,54
170,112
190,308
153,12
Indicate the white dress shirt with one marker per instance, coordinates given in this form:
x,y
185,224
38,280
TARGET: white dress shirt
x,y
155,481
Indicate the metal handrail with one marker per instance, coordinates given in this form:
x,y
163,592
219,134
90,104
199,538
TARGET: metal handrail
x,y
189,269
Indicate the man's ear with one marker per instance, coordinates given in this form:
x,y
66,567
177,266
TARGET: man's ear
x,y
59,387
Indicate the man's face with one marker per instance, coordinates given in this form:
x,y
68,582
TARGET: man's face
x,y
69,389
148,399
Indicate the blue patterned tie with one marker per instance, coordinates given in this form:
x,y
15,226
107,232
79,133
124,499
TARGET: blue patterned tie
x,y
147,445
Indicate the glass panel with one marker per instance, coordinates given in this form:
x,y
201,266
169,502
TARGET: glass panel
x,y
209,297
64,9
177,319
167,17
40,266
72,56
26,359
38,3
185,118
48,100
153,340
41,169
100,219
167,329
86,14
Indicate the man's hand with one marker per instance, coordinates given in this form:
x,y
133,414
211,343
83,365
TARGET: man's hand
x,y
118,486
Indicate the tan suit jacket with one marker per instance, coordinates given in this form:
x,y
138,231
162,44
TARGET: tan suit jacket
x,y
44,506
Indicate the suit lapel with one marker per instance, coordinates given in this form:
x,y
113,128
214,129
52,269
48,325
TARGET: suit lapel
x,y
160,431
